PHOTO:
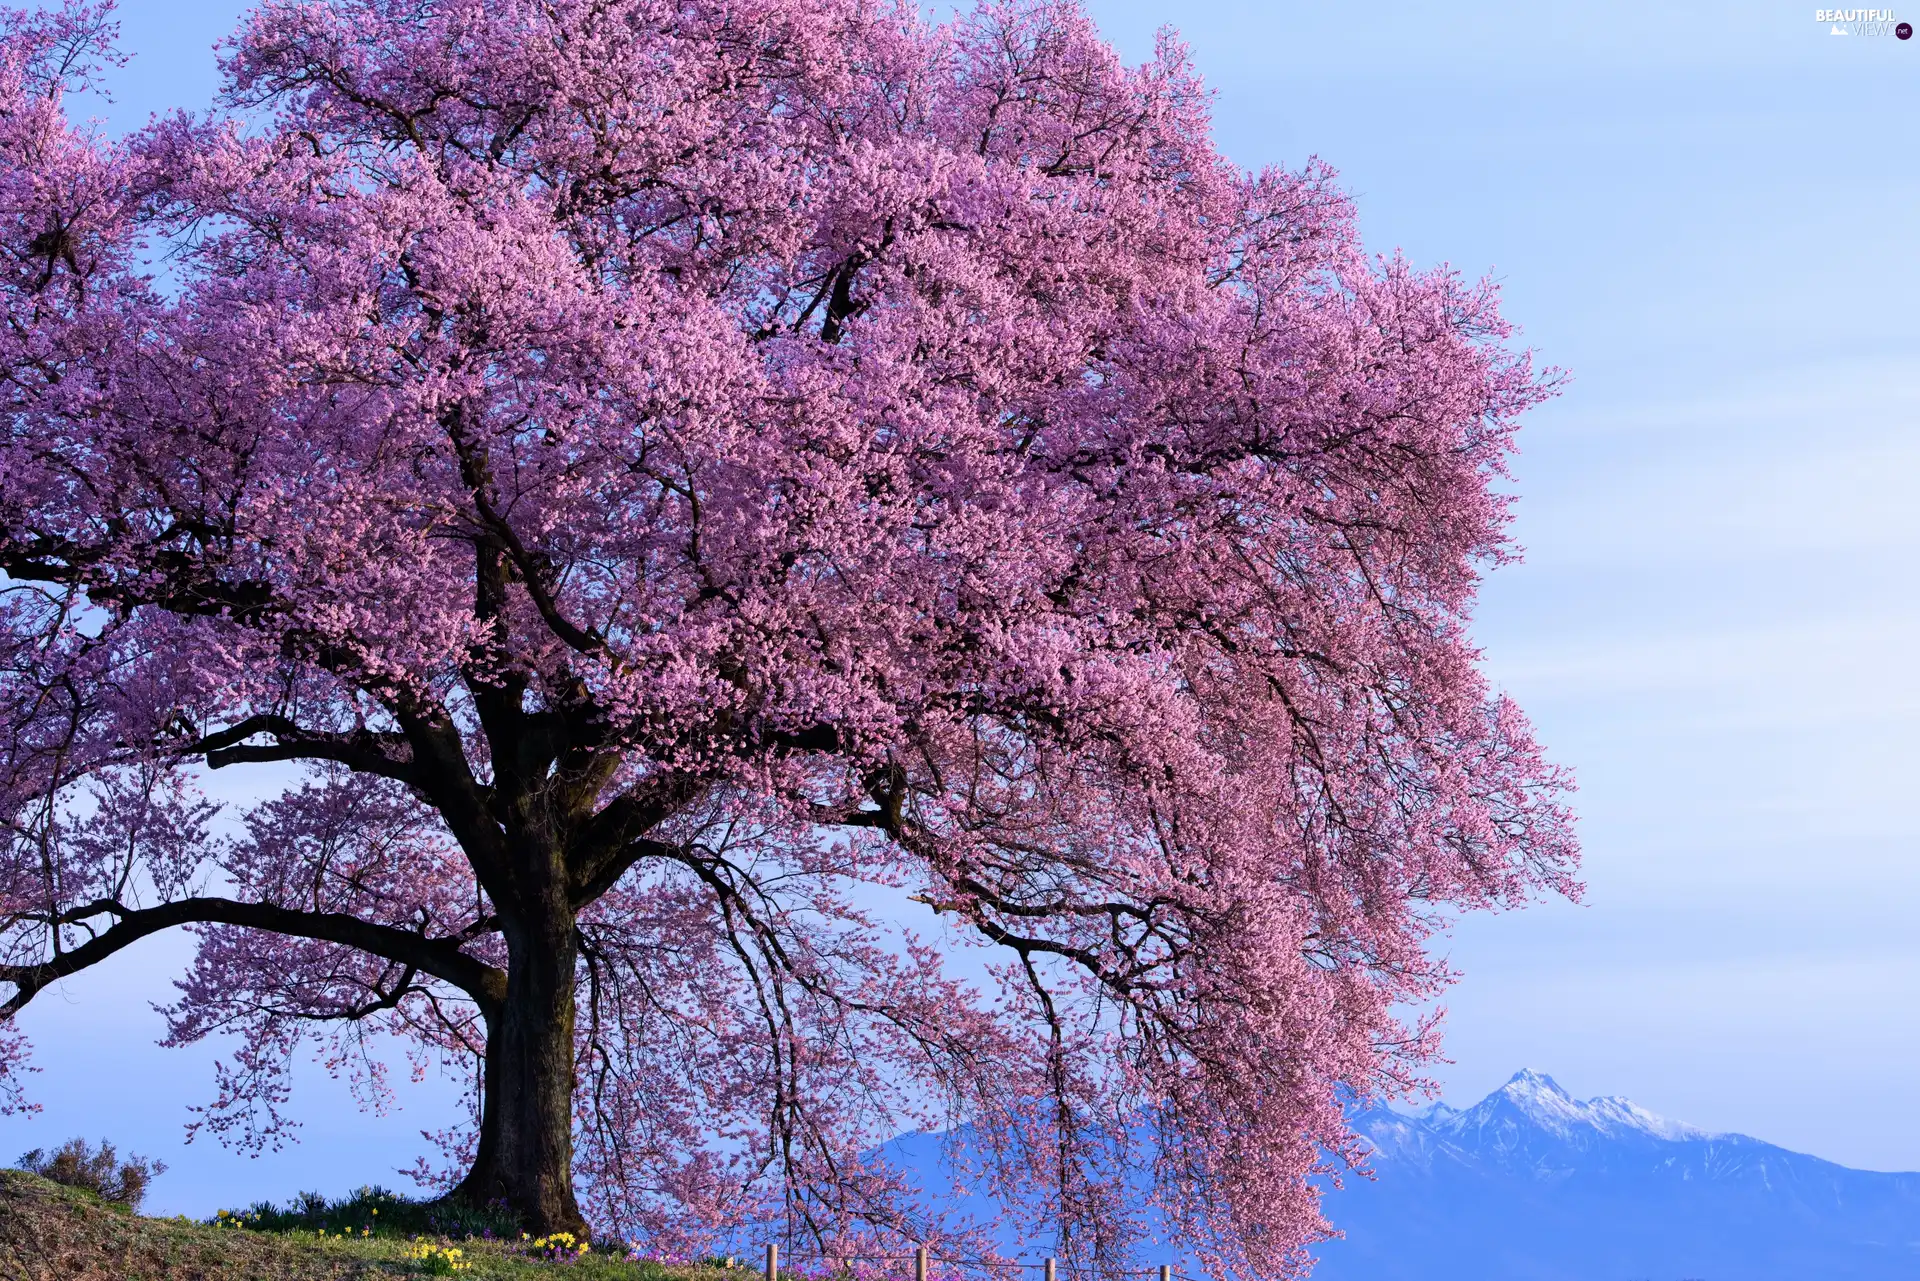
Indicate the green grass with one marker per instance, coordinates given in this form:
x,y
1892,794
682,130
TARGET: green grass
x,y
53,1233
380,1212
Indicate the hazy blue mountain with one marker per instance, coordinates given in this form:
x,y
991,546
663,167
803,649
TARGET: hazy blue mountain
x,y
1530,1184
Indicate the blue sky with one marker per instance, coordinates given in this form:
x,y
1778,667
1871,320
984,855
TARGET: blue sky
x,y
1710,215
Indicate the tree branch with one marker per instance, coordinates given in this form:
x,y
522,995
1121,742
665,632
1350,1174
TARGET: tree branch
x,y
439,957
614,839
362,750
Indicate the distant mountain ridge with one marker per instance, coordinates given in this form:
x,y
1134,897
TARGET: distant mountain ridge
x,y
1531,1184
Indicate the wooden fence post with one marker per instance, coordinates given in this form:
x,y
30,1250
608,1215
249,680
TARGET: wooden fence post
x,y
1050,1269
773,1262
920,1263
1166,1272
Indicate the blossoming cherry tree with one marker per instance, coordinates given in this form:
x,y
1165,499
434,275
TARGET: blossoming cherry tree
x,y
770,572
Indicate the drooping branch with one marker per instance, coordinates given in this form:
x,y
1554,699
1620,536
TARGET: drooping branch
x,y
439,957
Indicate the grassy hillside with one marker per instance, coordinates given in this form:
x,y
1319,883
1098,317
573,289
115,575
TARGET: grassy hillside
x,y
53,1233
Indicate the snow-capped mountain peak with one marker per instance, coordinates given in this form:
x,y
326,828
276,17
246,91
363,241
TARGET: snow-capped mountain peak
x,y
1536,1092
1578,1189
1532,1184
1543,1103
1528,1081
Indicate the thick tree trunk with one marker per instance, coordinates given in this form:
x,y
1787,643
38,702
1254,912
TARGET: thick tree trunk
x,y
525,1156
